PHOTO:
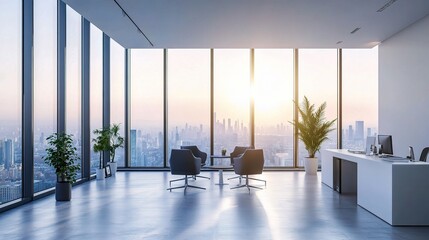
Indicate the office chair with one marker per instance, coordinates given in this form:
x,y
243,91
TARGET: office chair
x,y
424,155
183,162
199,154
238,151
250,163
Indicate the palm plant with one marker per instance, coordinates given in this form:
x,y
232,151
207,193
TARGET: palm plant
x,y
312,128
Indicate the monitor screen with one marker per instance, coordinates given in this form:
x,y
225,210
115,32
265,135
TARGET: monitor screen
x,y
386,144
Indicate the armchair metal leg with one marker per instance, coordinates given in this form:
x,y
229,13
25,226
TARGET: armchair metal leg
x,y
256,179
246,185
198,176
184,186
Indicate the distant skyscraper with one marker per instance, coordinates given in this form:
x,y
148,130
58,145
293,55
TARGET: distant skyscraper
x,y
368,132
229,125
359,130
160,140
1,153
350,132
133,144
8,153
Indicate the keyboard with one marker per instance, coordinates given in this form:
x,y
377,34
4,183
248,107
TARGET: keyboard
x,y
356,151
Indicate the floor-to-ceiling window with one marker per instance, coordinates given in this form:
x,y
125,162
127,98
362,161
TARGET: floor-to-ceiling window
x,y
360,96
96,88
10,99
318,82
189,98
117,93
73,78
231,99
147,104
273,94
45,88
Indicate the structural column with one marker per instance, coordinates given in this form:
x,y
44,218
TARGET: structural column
x,y
252,97
165,145
61,67
106,89
296,101
27,101
339,98
85,101
127,107
212,120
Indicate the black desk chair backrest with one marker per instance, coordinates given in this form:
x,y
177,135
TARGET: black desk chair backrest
x,y
197,153
183,162
424,155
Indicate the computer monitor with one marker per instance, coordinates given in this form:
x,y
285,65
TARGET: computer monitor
x,y
386,144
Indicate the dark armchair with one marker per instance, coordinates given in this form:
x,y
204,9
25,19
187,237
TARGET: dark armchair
x,y
238,151
424,155
199,154
183,162
250,163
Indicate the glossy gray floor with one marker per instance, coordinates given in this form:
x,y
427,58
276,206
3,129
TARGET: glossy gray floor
x,y
135,205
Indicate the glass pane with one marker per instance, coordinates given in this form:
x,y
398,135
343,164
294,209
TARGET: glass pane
x,y
360,96
231,99
147,114
274,105
117,93
45,88
318,82
189,98
73,77
96,86
10,93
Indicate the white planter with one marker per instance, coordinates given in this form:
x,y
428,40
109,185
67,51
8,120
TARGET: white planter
x,y
311,165
100,174
113,167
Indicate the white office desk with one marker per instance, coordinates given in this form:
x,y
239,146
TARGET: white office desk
x,y
397,192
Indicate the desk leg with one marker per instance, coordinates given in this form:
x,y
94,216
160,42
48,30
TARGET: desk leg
x,y
221,178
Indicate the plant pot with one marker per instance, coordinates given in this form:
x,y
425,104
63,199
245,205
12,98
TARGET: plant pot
x,y
310,165
100,174
113,167
63,191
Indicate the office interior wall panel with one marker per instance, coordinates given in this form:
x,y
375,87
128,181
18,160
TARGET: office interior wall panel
x,y
404,88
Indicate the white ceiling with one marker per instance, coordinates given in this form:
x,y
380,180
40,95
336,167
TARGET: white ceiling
x,y
251,23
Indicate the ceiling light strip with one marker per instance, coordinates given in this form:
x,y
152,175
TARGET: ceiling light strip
x,y
386,5
126,14
356,29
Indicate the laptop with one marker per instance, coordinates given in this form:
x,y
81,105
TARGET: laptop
x,y
370,141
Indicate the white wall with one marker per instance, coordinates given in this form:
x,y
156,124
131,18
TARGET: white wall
x,y
404,88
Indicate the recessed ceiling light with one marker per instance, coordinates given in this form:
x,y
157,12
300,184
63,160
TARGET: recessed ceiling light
x,y
386,5
355,30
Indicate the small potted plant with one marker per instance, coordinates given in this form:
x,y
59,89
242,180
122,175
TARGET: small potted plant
x,y
116,141
61,154
101,145
313,130
223,151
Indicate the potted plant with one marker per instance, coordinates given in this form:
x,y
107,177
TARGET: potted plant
x,y
61,154
101,145
116,141
223,151
313,130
